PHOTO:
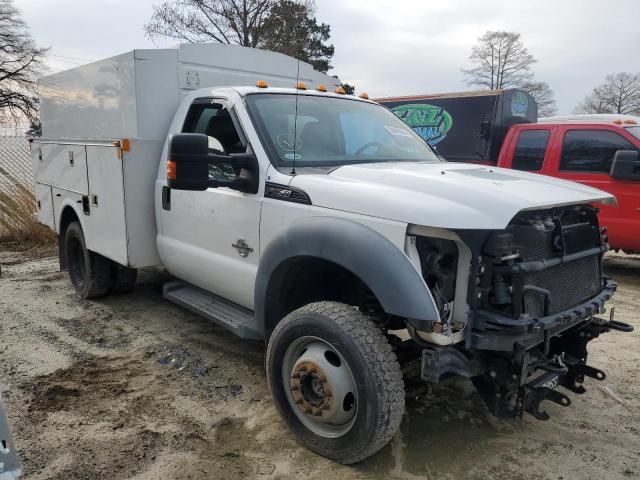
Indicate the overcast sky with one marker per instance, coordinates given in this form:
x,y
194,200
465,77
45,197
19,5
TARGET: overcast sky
x,y
399,47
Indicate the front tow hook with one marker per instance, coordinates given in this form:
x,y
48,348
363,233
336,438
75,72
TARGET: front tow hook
x,y
619,326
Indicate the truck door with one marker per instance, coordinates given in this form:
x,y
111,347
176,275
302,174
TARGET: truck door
x,y
210,239
586,157
529,151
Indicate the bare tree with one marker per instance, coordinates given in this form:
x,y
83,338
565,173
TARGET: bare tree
x,y
223,21
543,95
619,94
21,62
499,60
285,26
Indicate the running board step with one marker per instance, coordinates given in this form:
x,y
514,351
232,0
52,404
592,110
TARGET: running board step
x,y
235,318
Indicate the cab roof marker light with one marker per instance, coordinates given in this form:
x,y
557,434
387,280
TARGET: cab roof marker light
x,y
364,96
618,121
262,84
301,86
321,88
340,91
630,121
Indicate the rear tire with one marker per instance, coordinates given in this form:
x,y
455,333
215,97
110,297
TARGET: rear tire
x,y
90,273
335,381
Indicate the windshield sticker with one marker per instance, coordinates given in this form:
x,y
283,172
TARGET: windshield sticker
x,y
293,156
432,123
397,131
285,142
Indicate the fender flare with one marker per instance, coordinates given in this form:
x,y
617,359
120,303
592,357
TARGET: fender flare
x,y
380,264
68,203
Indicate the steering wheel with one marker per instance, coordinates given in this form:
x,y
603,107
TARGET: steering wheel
x,y
366,146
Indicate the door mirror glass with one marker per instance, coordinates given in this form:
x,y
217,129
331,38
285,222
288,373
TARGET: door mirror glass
x,y
626,165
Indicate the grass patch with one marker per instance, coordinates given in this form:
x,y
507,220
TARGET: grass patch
x,y
17,222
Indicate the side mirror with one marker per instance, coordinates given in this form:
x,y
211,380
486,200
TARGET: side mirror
x,y
190,166
626,165
188,162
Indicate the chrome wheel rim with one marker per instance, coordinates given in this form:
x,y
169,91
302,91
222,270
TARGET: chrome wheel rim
x,y
320,387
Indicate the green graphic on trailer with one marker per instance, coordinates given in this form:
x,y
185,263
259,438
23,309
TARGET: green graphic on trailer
x,y
430,122
519,104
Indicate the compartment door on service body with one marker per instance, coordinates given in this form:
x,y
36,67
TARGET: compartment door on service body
x,y
210,239
585,156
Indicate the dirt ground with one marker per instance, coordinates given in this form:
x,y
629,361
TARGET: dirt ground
x,y
135,387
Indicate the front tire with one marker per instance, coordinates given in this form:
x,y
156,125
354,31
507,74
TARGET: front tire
x,y
90,273
335,381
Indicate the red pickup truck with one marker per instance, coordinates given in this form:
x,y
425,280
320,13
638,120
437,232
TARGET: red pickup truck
x,y
501,128
589,151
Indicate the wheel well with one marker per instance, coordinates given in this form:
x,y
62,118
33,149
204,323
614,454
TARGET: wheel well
x,y
303,280
68,216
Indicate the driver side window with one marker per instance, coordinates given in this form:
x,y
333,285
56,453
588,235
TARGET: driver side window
x,y
213,119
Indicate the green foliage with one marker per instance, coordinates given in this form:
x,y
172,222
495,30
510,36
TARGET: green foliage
x,y
292,29
349,89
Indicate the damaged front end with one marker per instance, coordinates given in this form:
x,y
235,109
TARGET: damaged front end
x,y
535,298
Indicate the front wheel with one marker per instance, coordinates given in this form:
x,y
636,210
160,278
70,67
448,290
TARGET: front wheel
x,y
335,381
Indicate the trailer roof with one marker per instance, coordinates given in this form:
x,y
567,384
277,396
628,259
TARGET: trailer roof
x,y
475,93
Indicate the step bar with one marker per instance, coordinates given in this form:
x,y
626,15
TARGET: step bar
x,y
237,319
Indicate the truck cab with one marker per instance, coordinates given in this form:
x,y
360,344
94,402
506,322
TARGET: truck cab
x,y
583,149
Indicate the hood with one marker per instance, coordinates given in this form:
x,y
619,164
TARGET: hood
x,y
444,195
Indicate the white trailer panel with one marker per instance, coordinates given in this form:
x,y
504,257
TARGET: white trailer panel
x,y
86,113
61,165
106,230
44,205
135,95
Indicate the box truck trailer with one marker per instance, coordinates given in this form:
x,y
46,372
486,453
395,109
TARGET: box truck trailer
x,y
322,225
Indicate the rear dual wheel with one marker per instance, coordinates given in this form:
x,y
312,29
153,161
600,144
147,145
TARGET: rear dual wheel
x,y
335,381
91,274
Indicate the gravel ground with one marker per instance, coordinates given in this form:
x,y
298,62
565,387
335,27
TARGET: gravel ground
x,y
135,387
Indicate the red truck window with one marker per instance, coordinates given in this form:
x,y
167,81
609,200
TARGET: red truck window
x,y
530,150
591,150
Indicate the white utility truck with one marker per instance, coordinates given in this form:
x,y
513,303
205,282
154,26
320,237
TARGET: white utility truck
x,y
322,225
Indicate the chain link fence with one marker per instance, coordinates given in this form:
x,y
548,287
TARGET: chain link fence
x,y
17,202
15,161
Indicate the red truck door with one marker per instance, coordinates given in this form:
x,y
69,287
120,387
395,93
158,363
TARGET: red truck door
x,y
526,148
584,153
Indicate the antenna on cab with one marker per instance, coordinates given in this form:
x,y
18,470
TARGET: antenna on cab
x,y
299,86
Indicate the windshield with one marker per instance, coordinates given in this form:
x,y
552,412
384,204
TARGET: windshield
x,y
635,131
333,131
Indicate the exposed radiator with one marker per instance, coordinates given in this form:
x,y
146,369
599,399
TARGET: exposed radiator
x,y
569,284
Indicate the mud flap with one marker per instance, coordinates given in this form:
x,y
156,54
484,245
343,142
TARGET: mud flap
x,y
9,463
